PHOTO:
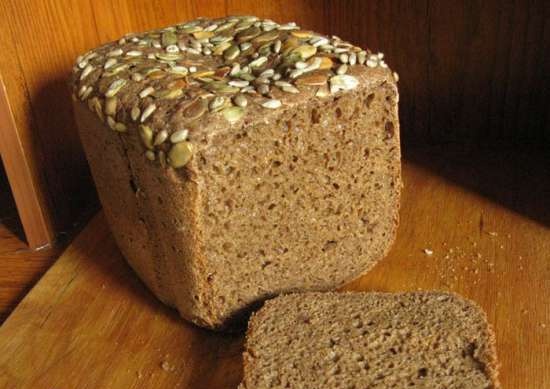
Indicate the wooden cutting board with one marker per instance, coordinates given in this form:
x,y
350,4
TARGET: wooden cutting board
x,y
90,323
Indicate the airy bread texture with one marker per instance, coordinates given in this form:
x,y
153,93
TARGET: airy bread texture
x,y
222,192
370,340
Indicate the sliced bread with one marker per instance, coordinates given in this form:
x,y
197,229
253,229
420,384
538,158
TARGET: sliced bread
x,y
370,340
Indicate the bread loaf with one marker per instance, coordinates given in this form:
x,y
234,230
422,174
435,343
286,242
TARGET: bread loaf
x,y
370,340
238,158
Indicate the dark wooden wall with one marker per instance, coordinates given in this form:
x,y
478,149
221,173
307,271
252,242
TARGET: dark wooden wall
x,y
471,71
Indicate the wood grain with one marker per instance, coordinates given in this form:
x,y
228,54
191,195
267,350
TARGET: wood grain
x,y
90,323
24,180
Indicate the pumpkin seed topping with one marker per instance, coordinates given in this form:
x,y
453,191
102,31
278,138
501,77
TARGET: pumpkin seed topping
x,y
147,112
179,136
180,154
232,114
272,103
205,67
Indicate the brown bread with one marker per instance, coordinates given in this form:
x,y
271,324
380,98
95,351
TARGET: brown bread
x,y
370,340
229,176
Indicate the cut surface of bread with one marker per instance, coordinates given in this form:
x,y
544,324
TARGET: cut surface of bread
x,y
370,340
238,158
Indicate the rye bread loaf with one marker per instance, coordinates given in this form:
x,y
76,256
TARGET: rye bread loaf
x,y
238,158
370,340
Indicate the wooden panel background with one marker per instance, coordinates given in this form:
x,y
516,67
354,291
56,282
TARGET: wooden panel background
x,y
475,70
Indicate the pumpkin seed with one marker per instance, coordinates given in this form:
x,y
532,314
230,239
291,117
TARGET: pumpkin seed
x,y
98,109
138,77
134,113
326,63
216,103
193,51
115,87
169,93
342,69
231,53
247,34
86,72
179,136
111,105
246,76
161,136
302,34
312,79
172,49
147,112
238,83
146,135
319,41
277,46
372,63
266,37
115,53
240,100
289,89
323,91
288,26
221,48
114,70
271,104
200,35
204,73
296,73
305,51
169,56
180,154
168,38
182,70
109,63
120,127
344,58
134,53
361,57
232,114
146,92
342,82
352,58
150,155
195,110
111,122
267,73
225,26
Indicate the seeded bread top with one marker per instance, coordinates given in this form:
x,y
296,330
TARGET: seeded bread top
x,y
173,83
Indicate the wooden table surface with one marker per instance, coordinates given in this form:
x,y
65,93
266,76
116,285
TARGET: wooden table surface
x,y
477,228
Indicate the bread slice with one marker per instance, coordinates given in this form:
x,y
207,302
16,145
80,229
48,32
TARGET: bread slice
x,y
238,158
369,340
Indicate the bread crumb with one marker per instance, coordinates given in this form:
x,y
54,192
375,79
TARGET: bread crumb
x,y
492,233
428,252
166,366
